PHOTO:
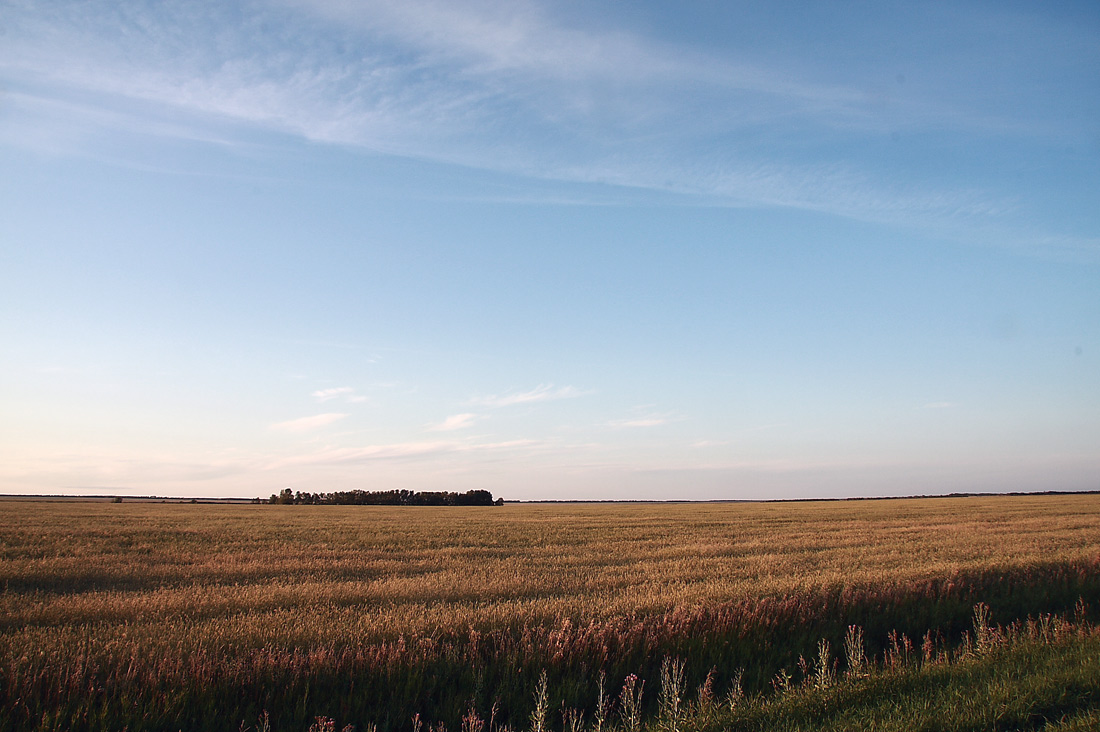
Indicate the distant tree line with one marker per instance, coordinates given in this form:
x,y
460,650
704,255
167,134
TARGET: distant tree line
x,y
385,498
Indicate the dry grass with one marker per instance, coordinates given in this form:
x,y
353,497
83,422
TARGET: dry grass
x,y
106,600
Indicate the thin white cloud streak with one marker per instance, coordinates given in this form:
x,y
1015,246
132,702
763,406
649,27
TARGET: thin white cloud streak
x,y
323,395
641,422
501,86
308,424
644,421
398,451
495,38
347,392
541,393
69,469
456,422
838,188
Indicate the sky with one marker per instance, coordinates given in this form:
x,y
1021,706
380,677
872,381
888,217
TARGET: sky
x,y
552,249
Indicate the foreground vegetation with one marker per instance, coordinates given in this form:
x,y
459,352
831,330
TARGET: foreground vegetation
x,y
1038,675
151,616
1024,680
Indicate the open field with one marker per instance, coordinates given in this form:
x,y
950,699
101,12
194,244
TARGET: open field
x,y
178,616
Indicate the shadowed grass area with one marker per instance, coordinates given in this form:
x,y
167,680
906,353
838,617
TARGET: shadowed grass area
x,y
1029,685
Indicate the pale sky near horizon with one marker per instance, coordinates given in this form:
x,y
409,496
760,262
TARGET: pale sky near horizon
x,y
551,249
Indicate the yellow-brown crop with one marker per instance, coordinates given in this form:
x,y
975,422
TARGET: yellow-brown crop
x,y
108,608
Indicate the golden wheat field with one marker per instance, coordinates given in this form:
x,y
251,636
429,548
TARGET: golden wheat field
x,y
357,609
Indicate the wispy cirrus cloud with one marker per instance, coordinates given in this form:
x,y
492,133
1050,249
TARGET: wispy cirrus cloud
x,y
346,392
541,393
323,395
640,422
644,419
308,424
398,451
704,444
506,86
491,38
456,422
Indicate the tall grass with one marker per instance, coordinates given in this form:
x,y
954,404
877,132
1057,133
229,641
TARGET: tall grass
x,y
201,617
1037,674
1026,679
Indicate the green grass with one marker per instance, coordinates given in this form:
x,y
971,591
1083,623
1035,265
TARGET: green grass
x,y
1029,685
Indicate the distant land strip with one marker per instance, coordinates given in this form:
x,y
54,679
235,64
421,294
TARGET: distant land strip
x,y
102,497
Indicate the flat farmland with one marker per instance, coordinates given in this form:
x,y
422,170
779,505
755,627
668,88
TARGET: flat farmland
x,y
184,616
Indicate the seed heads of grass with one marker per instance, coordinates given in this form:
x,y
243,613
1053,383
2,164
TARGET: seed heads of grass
x,y
705,706
328,724
630,703
542,705
671,696
854,652
984,634
572,720
737,690
471,722
823,666
603,705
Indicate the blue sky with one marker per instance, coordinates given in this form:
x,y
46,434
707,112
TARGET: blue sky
x,y
549,249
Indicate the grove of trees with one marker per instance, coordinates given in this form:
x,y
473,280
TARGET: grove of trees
x,y
385,498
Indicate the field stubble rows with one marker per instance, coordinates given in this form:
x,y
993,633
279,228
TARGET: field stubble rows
x,y
102,601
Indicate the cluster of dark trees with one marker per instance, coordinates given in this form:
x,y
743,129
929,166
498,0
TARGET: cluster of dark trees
x,y
386,498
